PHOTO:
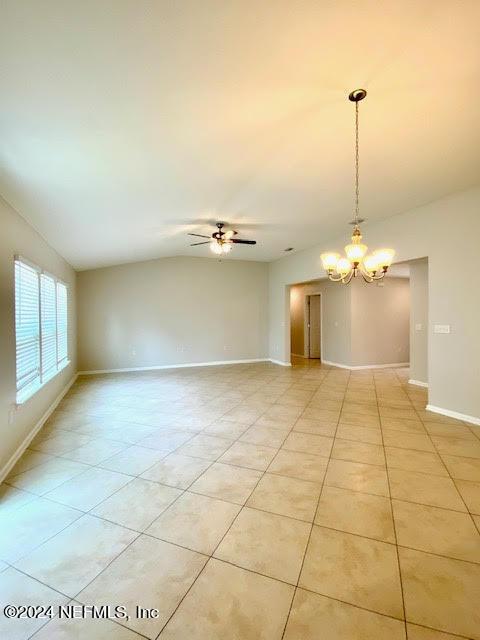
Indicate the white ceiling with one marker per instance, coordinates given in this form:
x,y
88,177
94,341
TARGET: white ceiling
x,y
125,123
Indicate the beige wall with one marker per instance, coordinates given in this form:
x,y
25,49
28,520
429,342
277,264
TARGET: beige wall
x,y
17,237
419,327
172,311
297,320
380,321
446,231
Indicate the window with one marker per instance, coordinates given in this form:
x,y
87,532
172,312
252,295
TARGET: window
x,y
41,309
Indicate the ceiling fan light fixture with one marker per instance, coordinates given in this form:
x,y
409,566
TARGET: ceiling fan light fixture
x,y
216,247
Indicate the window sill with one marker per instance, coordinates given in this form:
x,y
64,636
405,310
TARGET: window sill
x,y
23,397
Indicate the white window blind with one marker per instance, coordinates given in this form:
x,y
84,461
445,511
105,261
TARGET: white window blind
x,y
48,326
62,336
41,312
27,327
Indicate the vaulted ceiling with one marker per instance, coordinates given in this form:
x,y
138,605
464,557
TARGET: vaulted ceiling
x,y
124,124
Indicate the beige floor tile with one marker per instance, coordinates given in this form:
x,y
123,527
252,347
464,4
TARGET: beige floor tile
x,y
425,489
206,447
367,409
398,424
415,441
286,496
226,482
226,429
133,460
457,446
264,436
195,521
269,544
61,443
18,589
274,423
359,434
435,530
314,617
150,573
359,420
26,527
303,466
47,476
308,443
71,559
12,498
358,452
89,488
356,512
470,492
324,415
95,451
462,468
317,427
137,504
251,456
409,460
256,606
85,629
416,632
29,460
441,593
353,569
454,430
177,471
357,476
165,440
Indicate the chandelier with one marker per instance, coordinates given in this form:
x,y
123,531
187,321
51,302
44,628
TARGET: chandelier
x,y
373,266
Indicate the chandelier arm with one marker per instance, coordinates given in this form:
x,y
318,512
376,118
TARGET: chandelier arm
x,y
333,279
380,276
348,278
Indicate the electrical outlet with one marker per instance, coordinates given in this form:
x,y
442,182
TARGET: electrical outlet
x,y
419,326
441,328
134,352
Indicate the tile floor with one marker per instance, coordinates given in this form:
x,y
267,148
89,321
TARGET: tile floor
x,y
246,502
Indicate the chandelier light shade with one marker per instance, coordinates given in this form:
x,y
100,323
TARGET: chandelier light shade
x,y
373,266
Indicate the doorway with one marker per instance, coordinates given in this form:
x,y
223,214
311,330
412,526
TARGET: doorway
x,y
312,333
305,322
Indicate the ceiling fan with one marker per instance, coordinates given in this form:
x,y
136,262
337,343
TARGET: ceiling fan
x,y
221,241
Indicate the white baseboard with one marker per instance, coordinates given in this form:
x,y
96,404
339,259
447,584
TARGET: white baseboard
x,y
453,414
418,383
20,450
186,365
392,365
280,362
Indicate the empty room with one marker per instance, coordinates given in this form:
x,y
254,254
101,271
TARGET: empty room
x,y
239,320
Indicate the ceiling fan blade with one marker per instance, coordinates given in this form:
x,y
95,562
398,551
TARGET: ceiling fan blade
x,y
195,244
199,235
237,241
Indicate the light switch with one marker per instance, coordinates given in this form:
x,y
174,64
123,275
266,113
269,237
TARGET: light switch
x,y
441,328
418,327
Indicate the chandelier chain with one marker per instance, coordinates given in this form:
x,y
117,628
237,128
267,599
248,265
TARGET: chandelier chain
x,y
356,165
